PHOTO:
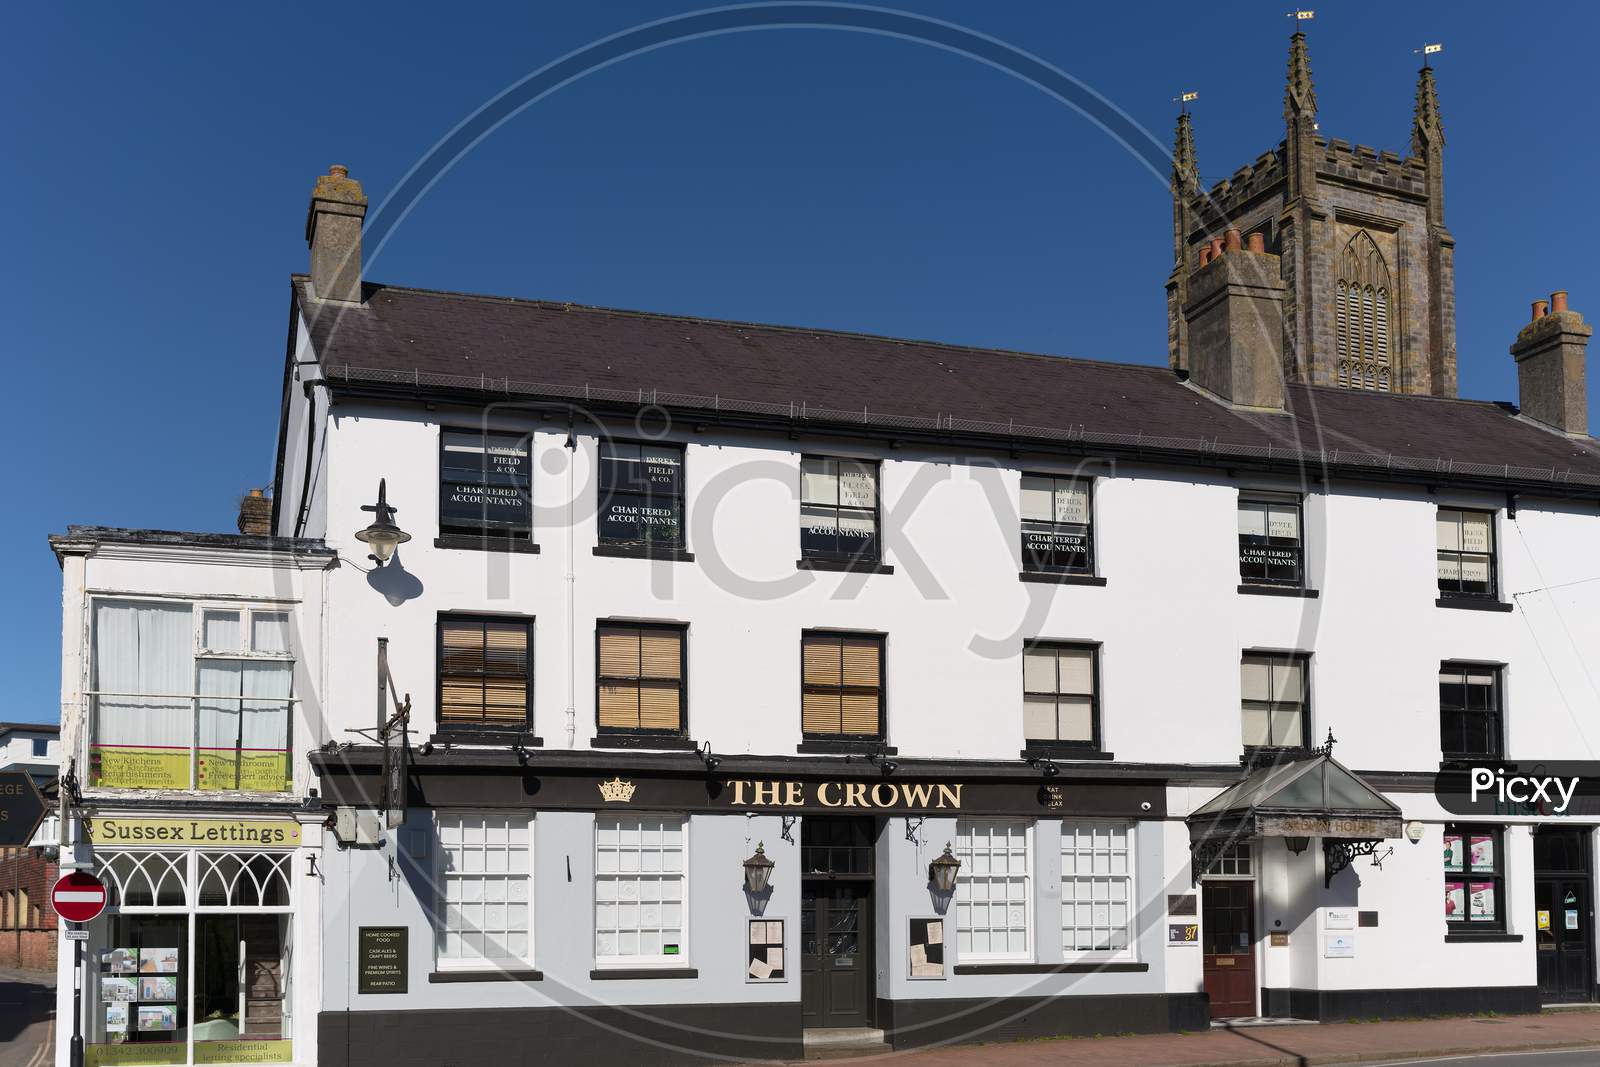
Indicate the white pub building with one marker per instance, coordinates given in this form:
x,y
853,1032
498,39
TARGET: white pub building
x,y
750,686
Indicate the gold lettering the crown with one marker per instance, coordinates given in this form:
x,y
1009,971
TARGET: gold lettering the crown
x,y
617,791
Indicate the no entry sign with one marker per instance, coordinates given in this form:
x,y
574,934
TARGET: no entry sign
x,y
78,897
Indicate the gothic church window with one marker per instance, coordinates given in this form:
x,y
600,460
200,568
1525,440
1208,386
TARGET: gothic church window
x,y
1361,310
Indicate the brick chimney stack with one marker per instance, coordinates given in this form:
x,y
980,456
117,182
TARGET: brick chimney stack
x,y
333,230
1235,323
1550,367
255,513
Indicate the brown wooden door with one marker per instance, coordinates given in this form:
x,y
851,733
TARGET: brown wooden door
x,y
1227,923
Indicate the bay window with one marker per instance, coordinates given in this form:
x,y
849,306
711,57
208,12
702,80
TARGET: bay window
x,y
190,698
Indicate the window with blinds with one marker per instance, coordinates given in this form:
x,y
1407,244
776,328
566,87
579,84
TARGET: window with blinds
x,y
640,680
841,686
1058,695
485,672
1274,694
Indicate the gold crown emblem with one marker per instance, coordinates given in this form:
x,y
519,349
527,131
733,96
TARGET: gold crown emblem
x,y
617,790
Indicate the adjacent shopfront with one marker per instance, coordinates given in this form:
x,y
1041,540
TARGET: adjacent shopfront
x,y
197,955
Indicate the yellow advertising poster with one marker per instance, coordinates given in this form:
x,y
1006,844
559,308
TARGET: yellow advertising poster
x,y
104,830
126,767
260,770
243,1051
143,1054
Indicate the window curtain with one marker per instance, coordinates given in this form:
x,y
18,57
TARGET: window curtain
x,y
244,708
148,650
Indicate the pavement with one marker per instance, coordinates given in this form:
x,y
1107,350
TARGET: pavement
x,y
1512,1041
27,1017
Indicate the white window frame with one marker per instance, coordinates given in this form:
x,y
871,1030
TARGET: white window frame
x,y
441,903
964,879
638,962
1130,951
245,607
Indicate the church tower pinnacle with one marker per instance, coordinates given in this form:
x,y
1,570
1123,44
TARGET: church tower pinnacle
x,y
1185,190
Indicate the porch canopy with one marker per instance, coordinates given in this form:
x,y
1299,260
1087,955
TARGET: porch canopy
x,y
1314,796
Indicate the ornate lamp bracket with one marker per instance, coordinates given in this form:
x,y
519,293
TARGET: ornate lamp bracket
x,y
1338,854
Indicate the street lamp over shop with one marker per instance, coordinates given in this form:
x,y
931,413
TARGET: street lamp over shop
x,y
382,536
1297,845
942,871
758,870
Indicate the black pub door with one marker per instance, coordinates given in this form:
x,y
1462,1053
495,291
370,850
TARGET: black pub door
x,y
836,973
1562,896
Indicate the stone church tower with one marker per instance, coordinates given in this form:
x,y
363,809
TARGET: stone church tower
x,y
1368,263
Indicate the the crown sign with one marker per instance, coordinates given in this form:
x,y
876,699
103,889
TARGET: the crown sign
x,y
617,791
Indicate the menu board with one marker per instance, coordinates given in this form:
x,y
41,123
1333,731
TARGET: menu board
x,y
382,964
486,482
765,958
926,948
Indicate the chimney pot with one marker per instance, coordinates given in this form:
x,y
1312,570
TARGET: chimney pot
x,y
1216,247
339,170
1258,242
1231,240
1558,300
1541,308
1205,254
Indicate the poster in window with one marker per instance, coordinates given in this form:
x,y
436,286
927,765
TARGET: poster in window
x,y
926,948
158,988
118,991
157,1017
1455,901
1474,533
1283,521
116,1018
764,957
158,961
1453,859
132,767
119,961
1475,569
486,482
1480,902
1482,852
858,486
1072,504
1449,568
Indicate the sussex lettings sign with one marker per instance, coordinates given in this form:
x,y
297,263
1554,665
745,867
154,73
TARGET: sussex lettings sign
x,y
253,833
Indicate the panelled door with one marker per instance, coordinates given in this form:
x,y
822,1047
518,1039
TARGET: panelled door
x,y
836,973
1562,895
1228,937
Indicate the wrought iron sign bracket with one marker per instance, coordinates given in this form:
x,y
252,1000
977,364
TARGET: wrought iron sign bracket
x,y
1338,854
1202,855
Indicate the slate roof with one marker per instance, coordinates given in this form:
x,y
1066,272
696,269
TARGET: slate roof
x,y
433,343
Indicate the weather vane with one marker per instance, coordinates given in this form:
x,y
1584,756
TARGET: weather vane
x,y
1302,16
1427,50
1182,100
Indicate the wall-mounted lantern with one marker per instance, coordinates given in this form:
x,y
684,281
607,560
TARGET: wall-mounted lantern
x,y
383,535
942,871
1297,845
758,870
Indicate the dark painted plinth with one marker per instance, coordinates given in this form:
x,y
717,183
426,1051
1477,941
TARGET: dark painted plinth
x,y
914,1023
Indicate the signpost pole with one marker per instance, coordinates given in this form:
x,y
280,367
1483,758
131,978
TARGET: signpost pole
x,y
75,1054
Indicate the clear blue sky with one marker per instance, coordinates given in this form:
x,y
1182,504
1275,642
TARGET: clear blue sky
x,y
159,159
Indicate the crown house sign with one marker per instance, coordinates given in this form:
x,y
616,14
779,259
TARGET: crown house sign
x,y
617,791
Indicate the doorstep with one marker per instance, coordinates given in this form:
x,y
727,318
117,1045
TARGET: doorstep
x,y
826,1043
1261,1020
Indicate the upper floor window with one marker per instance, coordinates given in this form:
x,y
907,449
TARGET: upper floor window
x,y
485,672
1474,879
839,509
641,494
1469,711
41,747
1466,553
841,686
1057,525
190,699
1271,551
1058,695
641,679
1274,700
485,484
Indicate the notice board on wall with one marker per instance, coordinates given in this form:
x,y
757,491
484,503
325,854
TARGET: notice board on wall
x,y
764,960
926,948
